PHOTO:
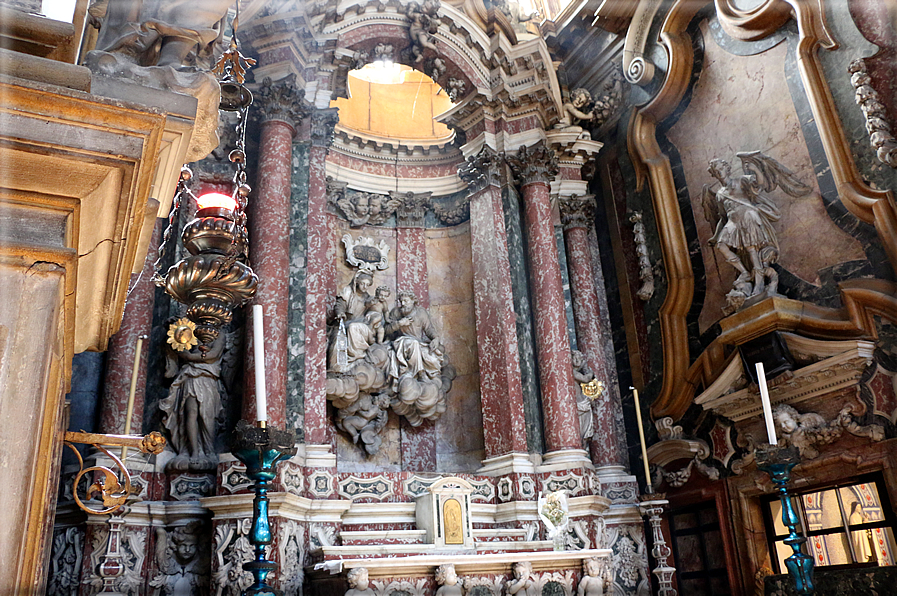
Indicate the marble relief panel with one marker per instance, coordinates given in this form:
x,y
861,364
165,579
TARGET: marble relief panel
x,y
743,103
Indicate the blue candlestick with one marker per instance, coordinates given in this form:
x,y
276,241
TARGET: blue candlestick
x,y
778,463
261,449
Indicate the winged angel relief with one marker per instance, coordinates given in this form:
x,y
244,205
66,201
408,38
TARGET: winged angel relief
x,y
742,216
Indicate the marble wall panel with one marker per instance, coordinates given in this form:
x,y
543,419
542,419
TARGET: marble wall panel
x,y
743,103
295,391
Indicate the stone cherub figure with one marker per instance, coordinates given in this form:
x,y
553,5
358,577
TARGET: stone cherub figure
x,y
424,24
522,583
809,431
183,566
359,584
580,100
378,305
448,581
595,578
364,420
194,401
742,215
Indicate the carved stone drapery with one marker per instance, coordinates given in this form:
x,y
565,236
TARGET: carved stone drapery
x,y
282,101
537,163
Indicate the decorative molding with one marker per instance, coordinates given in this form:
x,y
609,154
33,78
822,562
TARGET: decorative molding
x,y
65,561
289,543
231,550
292,478
637,69
505,489
483,490
191,487
569,482
234,478
320,535
877,124
418,588
871,206
416,486
320,484
526,486
379,487
722,448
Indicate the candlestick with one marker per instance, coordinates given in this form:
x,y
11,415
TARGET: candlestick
x,y
767,407
261,398
130,411
641,437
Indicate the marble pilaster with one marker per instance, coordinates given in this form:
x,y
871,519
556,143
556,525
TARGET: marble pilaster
x,y
504,424
269,224
137,321
320,281
534,168
418,443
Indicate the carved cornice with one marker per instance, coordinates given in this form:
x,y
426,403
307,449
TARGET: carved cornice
x,y
577,211
281,101
322,124
481,170
538,163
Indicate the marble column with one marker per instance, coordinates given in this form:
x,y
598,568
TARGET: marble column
x,y
281,110
320,281
418,442
577,216
504,426
534,168
136,321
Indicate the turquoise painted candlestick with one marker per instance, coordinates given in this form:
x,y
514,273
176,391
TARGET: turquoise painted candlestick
x,y
778,463
261,449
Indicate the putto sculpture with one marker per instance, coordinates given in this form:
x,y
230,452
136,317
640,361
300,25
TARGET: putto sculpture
x,y
448,581
422,30
742,215
381,357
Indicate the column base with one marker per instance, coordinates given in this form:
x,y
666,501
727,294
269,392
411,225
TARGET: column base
x,y
615,473
319,456
565,459
509,463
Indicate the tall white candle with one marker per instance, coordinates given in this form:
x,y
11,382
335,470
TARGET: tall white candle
x,y
767,406
258,334
641,437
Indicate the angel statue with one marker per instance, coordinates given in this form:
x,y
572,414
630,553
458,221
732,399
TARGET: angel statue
x,y
742,215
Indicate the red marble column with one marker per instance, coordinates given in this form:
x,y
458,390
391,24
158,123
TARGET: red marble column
x,y
504,425
137,321
535,167
577,215
418,442
319,282
269,240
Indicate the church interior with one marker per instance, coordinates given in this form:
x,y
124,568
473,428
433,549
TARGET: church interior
x,y
448,297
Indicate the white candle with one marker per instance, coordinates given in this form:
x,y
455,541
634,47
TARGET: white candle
x,y
130,412
767,407
261,398
641,437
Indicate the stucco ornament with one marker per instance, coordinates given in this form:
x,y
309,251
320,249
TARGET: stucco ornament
x,y
381,357
810,431
742,216
183,566
555,515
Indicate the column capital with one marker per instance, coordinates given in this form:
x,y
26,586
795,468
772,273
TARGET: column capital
x,y
412,208
481,170
282,101
577,211
537,163
323,122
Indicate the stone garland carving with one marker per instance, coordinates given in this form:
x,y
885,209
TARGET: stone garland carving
x,y
597,579
425,22
645,269
359,584
291,572
183,565
372,209
742,215
381,358
190,412
877,125
65,562
435,68
629,559
232,549
680,477
418,588
810,430
447,578
452,216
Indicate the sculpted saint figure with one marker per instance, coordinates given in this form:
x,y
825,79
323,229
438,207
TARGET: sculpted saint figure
x,y
350,312
418,350
742,216
193,403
